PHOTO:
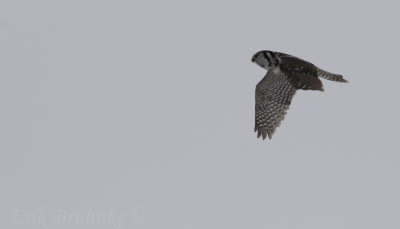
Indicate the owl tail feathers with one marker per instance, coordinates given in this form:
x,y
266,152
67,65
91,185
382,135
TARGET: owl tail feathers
x,y
331,76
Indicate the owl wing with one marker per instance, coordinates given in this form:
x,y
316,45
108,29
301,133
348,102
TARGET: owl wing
x,y
274,94
302,74
290,63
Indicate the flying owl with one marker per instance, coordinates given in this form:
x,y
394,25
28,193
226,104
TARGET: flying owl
x,y
286,74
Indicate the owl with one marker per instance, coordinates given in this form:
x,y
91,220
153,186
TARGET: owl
x,y
285,75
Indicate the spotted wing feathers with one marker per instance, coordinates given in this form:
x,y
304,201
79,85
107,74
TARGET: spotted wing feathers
x,y
274,94
294,64
304,82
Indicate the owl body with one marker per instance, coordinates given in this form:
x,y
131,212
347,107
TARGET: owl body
x,y
286,74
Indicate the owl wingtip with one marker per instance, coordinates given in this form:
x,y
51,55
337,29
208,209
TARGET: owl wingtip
x,y
264,135
270,133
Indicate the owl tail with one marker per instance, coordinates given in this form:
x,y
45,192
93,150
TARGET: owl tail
x,y
331,76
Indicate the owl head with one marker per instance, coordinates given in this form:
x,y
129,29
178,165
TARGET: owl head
x,y
265,59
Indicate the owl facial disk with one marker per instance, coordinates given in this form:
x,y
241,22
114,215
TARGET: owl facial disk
x,y
261,60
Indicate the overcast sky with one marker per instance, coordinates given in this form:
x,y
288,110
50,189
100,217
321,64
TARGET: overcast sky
x,y
143,112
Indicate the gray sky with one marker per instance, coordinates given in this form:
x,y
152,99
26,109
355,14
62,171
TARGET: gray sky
x,y
144,110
